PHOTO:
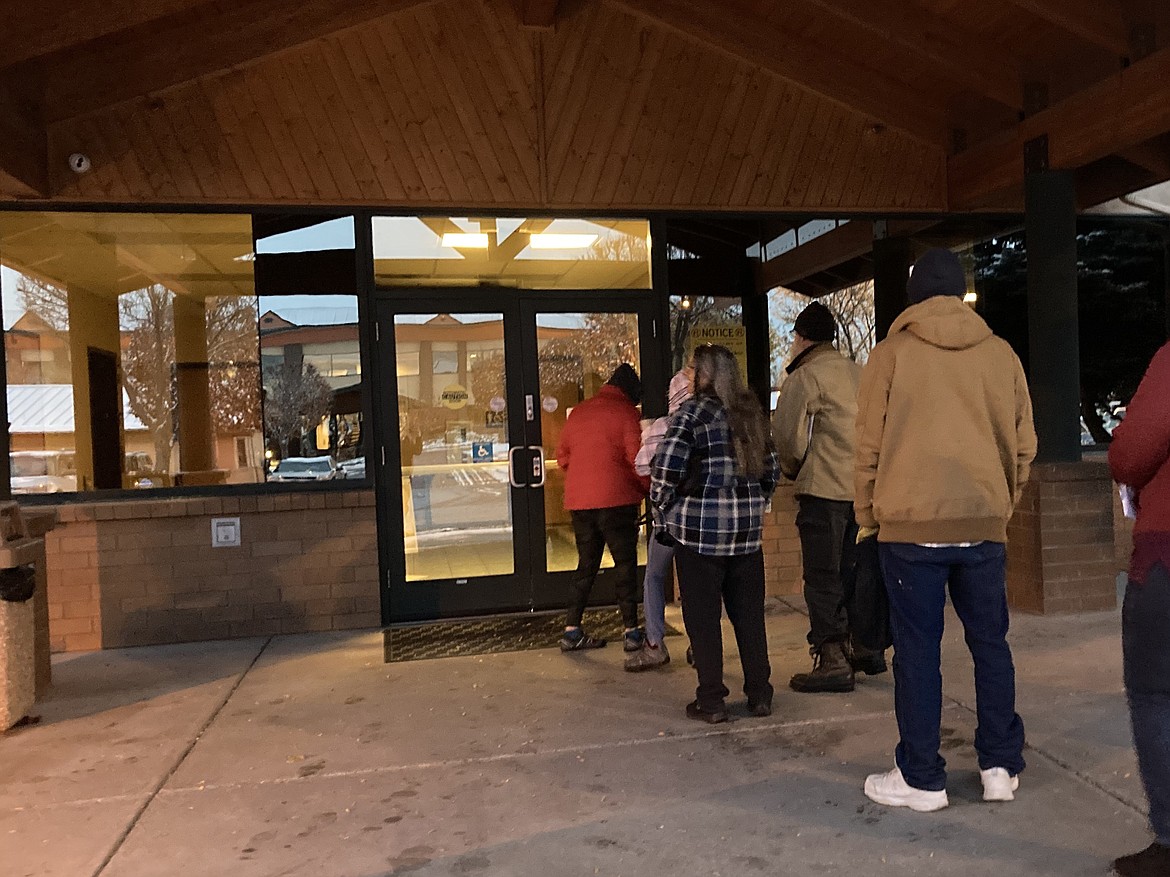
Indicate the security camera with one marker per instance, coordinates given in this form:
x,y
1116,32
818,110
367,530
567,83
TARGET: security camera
x,y
79,163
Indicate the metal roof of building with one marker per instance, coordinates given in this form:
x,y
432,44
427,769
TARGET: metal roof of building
x,y
47,408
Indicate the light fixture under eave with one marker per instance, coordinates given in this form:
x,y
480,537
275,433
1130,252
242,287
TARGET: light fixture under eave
x,y
971,297
685,304
556,241
462,240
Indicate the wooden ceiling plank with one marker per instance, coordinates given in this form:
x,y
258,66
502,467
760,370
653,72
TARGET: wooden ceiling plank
x,y
1128,108
342,125
1097,22
711,68
803,168
540,14
756,144
231,124
650,55
416,125
640,150
282,115
841,80
497,67
369,132
798,130
162,53
734,95
618,71
195,144
203,118
572,123
961,57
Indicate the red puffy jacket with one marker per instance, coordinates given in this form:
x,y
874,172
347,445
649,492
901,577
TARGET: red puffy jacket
x,y
596,452
1140,457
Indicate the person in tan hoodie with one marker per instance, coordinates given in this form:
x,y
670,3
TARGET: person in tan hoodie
x,y
813,428
945,442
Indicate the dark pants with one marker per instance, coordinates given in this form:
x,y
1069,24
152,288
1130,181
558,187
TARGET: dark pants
x,y
1145,631
737,582
828,546
594,529
916,580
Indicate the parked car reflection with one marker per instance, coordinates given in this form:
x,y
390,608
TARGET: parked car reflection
x,y
43,471
304,469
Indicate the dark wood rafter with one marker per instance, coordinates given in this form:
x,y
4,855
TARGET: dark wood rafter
x,y
1129,108
24,152
841,80
163,52
979,66
821,254
538,14
1097,22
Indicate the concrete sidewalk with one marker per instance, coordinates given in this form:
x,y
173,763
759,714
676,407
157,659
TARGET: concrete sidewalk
x,y
306,755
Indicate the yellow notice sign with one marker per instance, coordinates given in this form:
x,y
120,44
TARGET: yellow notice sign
x,y
733,336
453,397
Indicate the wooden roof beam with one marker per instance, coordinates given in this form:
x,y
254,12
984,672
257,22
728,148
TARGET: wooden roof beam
x,y
24,148
980,67
845,82
164,52
1128,108
1097,22
538,14
29,30
849,241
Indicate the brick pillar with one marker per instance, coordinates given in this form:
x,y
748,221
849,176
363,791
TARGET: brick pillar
x,y
1061,551
783,572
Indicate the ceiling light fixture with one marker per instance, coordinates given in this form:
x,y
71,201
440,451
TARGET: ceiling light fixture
x,y
554,241
465,240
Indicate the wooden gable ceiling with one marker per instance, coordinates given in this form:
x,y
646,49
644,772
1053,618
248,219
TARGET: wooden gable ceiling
x,y
811,105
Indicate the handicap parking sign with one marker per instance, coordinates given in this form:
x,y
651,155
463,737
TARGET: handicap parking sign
x,y
481,452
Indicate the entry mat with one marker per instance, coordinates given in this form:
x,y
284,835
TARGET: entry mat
x,y
497,633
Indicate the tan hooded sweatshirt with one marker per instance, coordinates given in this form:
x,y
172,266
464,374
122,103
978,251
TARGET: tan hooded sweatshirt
x,y
945,439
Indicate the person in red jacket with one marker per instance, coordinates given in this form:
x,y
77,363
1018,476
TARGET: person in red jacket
x,y
1139,457
603,494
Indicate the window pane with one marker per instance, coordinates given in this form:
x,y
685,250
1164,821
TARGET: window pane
x,y
313,388
130,342
525,253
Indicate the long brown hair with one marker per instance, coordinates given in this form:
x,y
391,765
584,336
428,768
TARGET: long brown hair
x,y
717,374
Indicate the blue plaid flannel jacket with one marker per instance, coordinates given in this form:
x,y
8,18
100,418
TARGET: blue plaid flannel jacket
x,y
726,515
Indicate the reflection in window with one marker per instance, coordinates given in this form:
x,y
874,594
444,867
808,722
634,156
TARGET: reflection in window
x,y
312,384
131,349
696,320
525,253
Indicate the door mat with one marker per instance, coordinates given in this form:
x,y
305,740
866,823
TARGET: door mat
x,y
494,634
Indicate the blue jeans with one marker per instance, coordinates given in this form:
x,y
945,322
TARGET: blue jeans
x,y
658,560
916,580
1145,629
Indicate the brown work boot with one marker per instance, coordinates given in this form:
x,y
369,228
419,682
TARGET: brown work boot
x,y
831,671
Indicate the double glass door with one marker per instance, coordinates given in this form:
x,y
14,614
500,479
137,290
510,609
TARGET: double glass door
x,y
472,517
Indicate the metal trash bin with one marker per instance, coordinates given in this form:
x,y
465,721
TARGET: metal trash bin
x,y
18,554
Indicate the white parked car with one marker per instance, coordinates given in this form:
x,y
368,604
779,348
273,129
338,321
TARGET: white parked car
x,y
43,471
304,469
355,468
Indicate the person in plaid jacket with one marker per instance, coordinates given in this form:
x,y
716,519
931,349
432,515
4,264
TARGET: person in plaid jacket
x,y
713,475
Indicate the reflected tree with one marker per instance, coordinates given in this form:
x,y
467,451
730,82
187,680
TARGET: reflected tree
x,y
296,400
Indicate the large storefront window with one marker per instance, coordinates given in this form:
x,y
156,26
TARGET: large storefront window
x,y
525,253
139,355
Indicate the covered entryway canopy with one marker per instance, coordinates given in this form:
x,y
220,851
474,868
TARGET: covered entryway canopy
x,y
818,105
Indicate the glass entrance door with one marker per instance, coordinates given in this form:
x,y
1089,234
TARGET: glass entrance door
x,y
473,401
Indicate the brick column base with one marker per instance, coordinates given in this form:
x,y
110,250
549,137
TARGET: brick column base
x,y
783,571
1061,555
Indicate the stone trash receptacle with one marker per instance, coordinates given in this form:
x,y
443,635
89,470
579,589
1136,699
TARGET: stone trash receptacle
x,y
18,676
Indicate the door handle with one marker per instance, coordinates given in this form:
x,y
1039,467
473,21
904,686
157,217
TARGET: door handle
x,y
512,466
537,466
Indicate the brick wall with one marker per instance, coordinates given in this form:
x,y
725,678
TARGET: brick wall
x,y
783,571
1062,553
144,572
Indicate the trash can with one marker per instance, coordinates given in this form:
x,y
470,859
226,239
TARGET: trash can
x,y
18,579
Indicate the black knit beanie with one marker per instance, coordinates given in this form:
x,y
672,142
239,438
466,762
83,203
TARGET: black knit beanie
x,y
937,272
816,323
626,379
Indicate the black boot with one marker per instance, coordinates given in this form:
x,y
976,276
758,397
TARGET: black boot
x,y
867,662
1153,861
830,672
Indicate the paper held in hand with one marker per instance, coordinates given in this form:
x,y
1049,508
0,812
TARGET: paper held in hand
x,y
1129,504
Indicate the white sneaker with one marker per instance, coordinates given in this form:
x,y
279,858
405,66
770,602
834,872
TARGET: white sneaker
x,y
998,784
892,790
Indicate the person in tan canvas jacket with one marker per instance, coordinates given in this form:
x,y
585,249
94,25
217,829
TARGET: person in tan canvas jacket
x,y
814,432
944,445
